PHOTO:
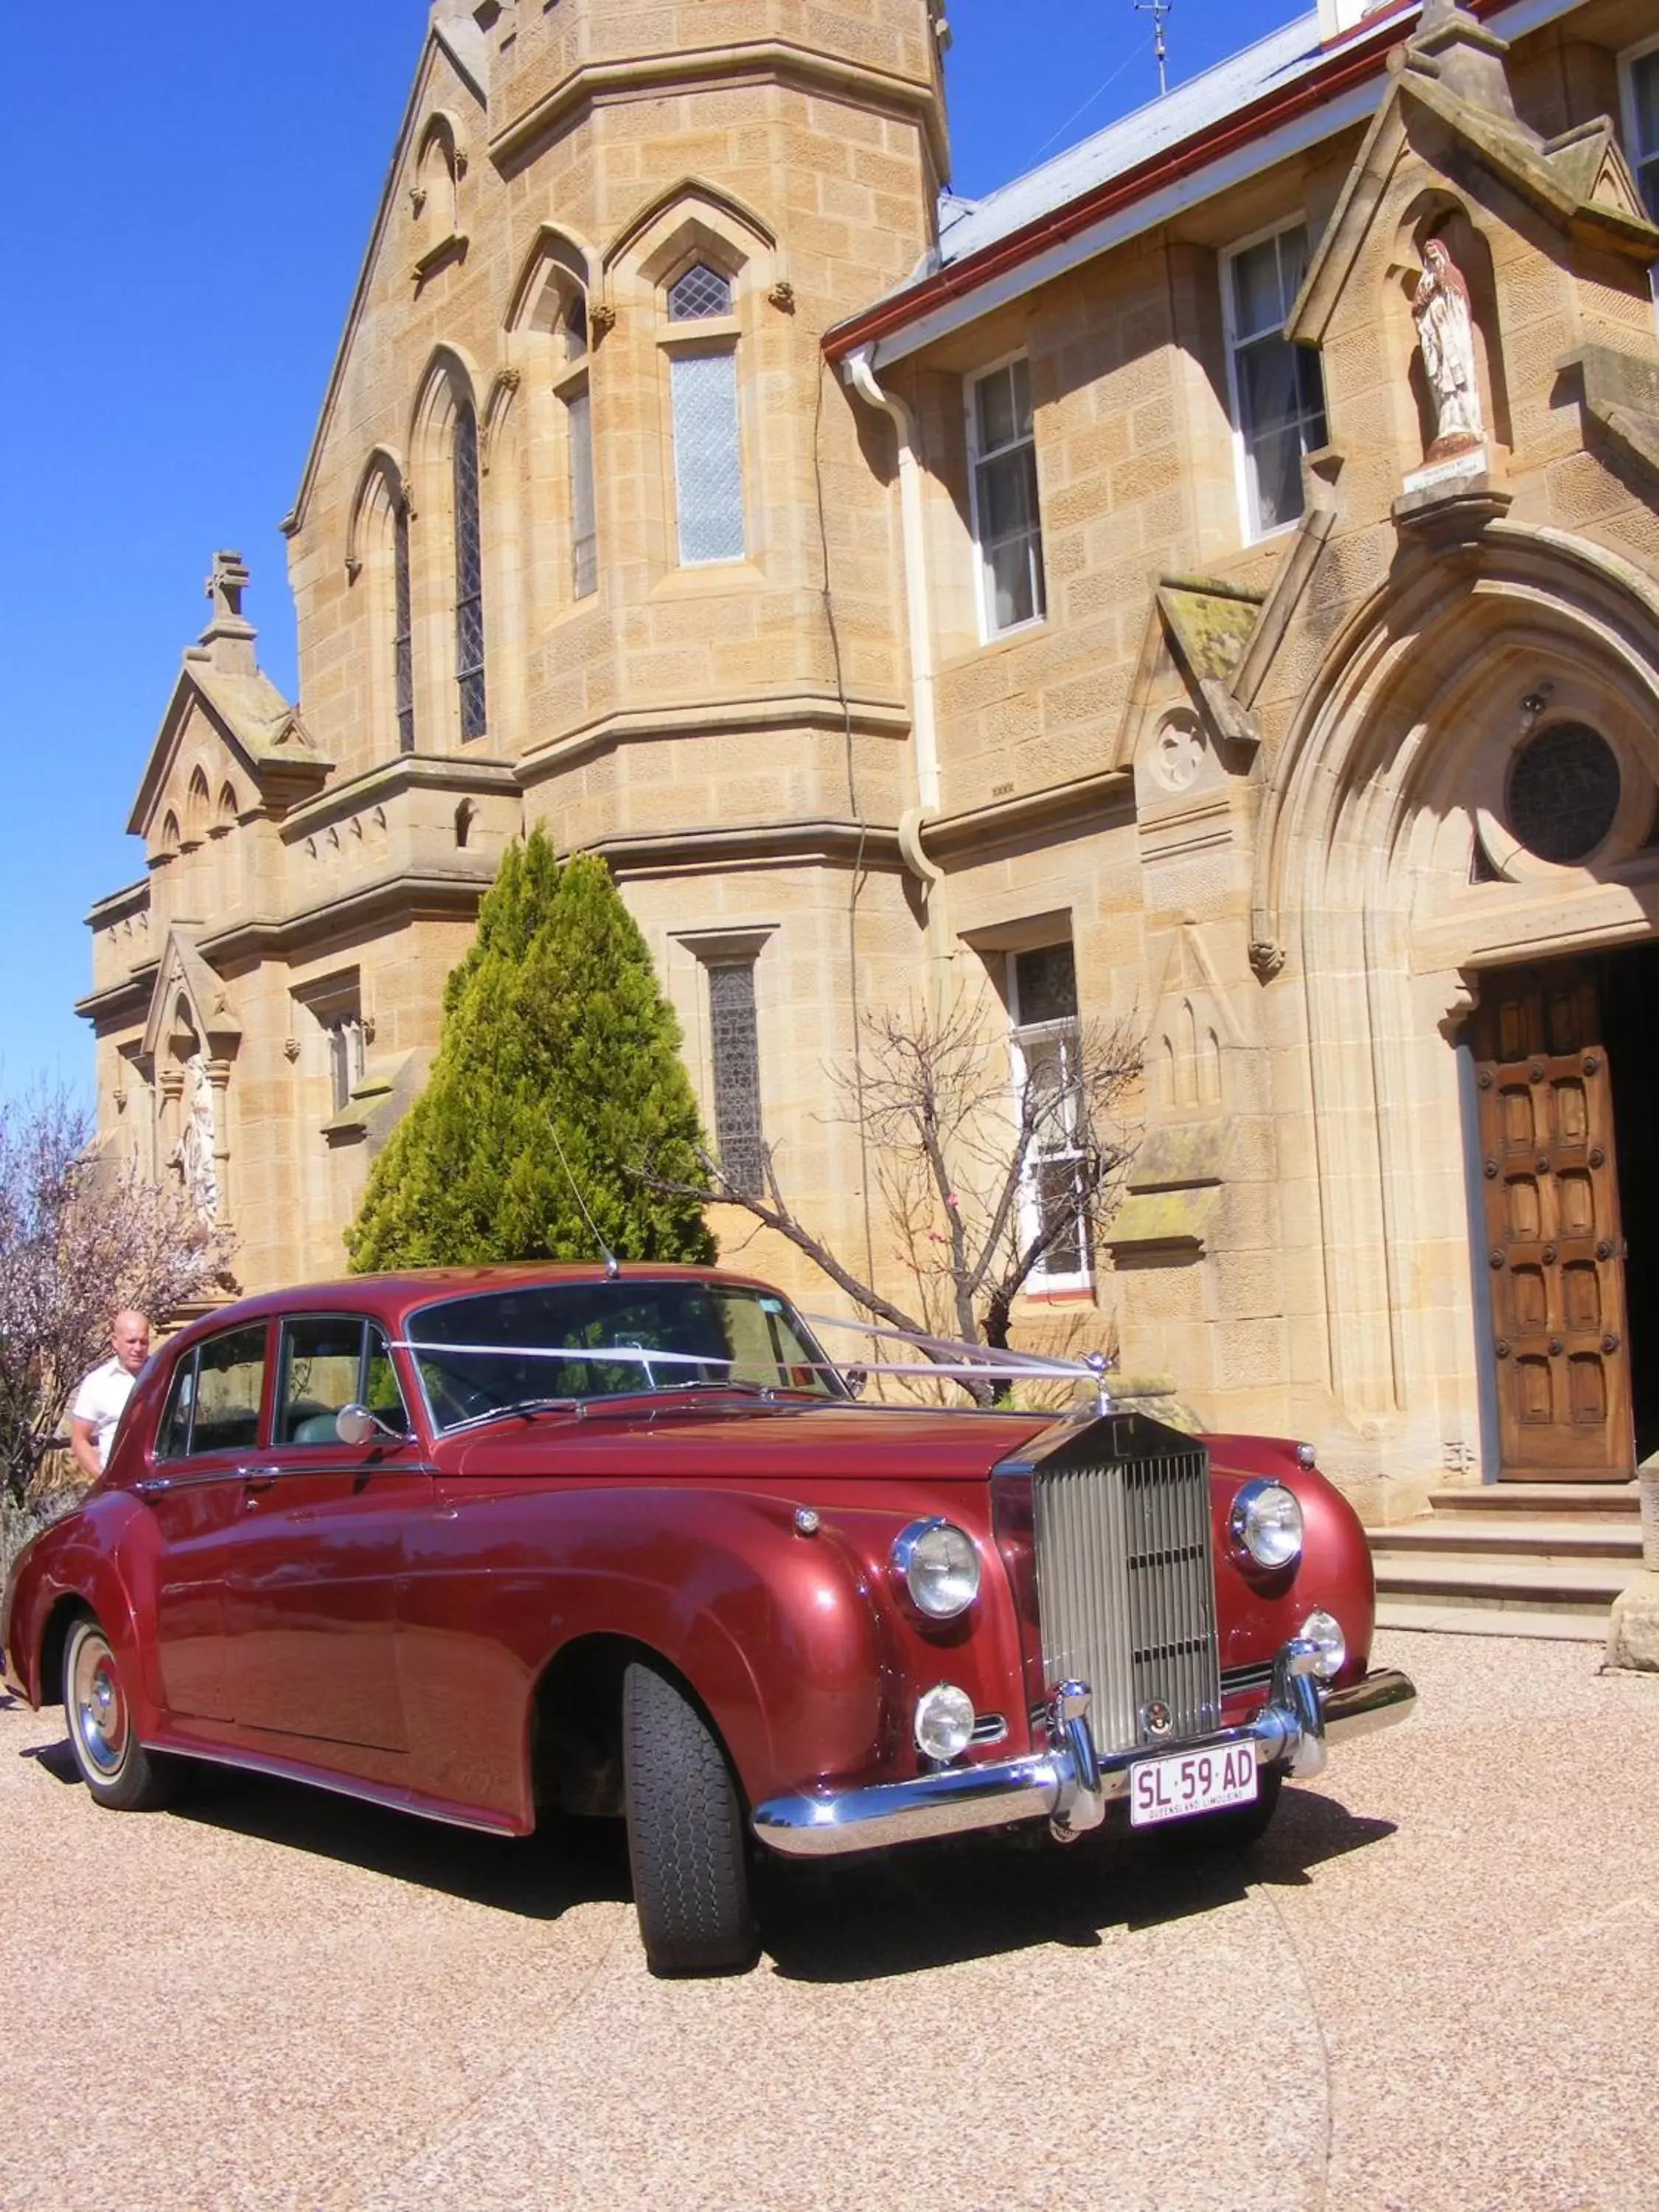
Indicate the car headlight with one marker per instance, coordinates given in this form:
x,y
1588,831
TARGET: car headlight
x,y
1266,1520
937,1565
1324,1630
945,1721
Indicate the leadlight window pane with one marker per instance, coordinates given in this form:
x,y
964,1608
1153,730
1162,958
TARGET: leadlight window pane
x,y
1045,981
1280,386
403,640
1644,102
1564,792
469,578
736,1043
708,458
584,540
701,293
1007,517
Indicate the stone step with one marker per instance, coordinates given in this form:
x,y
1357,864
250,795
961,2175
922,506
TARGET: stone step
x,y
1510,1536
1612,1501
1530,1584
1565,1627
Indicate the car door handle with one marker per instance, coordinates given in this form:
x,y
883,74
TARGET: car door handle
x,y
258,1478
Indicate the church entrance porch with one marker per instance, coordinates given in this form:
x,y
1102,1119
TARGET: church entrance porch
x,y
1567,1155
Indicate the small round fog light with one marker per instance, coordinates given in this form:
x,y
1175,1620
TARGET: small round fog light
x,y
945,1721
1266,1520
1325,1631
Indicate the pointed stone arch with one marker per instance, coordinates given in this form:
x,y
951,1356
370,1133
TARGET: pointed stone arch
x,y
451,377
722,216
557,262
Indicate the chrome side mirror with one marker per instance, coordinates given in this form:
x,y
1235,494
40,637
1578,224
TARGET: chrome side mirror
x,y
355,1424
855,1378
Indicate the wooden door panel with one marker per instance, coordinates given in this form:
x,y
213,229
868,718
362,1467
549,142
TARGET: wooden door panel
x,y
1555,1251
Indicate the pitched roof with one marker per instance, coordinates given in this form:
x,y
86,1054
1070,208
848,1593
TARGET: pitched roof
x,y
1280,60
1284,93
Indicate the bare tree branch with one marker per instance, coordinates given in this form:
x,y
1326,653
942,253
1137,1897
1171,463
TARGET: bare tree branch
x,y
959,1153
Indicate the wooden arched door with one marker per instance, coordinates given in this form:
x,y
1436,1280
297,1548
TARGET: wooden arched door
x,y
1555,1252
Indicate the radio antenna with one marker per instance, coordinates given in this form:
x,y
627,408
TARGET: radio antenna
x,y
612,1265
1158,10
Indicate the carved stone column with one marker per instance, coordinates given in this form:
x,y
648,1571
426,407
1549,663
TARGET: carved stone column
x,y
218,1076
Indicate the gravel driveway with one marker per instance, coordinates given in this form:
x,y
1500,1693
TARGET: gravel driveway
x,y
1432,1986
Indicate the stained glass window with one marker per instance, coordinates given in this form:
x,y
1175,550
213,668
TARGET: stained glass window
x,y
707,457
403,629
1564,792
1278,388
702,292
736,1043
469,576
584,539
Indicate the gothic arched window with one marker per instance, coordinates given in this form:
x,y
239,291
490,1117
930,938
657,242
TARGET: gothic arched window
x,y
403,628
469,574
702,383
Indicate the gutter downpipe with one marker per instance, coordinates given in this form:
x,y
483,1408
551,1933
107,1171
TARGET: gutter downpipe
x,y
924,725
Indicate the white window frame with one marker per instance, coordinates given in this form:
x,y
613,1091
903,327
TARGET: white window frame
x,y
1646,50
1249,519
1042,1279
989,631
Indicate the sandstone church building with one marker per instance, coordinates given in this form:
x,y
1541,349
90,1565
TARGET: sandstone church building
x,y
1212,581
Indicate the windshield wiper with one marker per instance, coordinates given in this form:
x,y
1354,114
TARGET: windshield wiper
x,y
525,1406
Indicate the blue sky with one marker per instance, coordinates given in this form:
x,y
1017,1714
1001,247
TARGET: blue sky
x,y
189,195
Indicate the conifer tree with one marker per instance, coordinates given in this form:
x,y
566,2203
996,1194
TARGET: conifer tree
x,y
553,1023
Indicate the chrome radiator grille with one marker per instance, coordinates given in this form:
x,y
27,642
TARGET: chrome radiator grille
x,y
1126,1588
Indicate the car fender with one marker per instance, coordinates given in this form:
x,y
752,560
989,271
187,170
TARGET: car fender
x,y
76,1562
774,1632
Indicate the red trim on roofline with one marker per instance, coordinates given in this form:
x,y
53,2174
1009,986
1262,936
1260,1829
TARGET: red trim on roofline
x,y
1348,63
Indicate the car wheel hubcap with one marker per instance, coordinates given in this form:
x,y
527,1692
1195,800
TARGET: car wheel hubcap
x,y
100,1712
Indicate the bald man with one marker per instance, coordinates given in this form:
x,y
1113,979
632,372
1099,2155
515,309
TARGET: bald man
x,y
102,1397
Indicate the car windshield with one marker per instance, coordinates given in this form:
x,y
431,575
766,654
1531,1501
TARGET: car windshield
x,y
561,1343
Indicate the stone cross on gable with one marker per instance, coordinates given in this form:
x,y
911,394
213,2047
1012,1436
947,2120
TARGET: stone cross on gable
x,y
226,586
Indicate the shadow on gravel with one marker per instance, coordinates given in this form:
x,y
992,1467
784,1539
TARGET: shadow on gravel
x,y
567,1863
57,1758
940,1904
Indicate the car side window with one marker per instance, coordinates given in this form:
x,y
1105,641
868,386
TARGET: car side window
x,y
229,1384
172,1437
330,1361
322,1357
381,1392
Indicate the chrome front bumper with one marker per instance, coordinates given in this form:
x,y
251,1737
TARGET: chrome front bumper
x,y
1071,1783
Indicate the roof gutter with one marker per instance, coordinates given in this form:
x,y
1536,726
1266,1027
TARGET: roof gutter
x,y
1195,169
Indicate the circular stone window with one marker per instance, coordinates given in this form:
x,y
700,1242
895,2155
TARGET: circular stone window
x,y
1564,792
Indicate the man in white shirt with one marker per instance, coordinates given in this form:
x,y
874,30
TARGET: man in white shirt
x,y
103,1395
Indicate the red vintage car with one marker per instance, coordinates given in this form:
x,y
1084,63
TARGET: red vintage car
x,y
482,1544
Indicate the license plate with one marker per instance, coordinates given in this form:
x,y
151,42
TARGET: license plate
x,y
1191,1781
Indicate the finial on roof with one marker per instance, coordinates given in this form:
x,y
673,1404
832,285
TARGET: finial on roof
x,y
1466,56
228,640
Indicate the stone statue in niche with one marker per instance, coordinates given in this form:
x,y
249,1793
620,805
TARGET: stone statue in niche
x,y
193,1153
1445,333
